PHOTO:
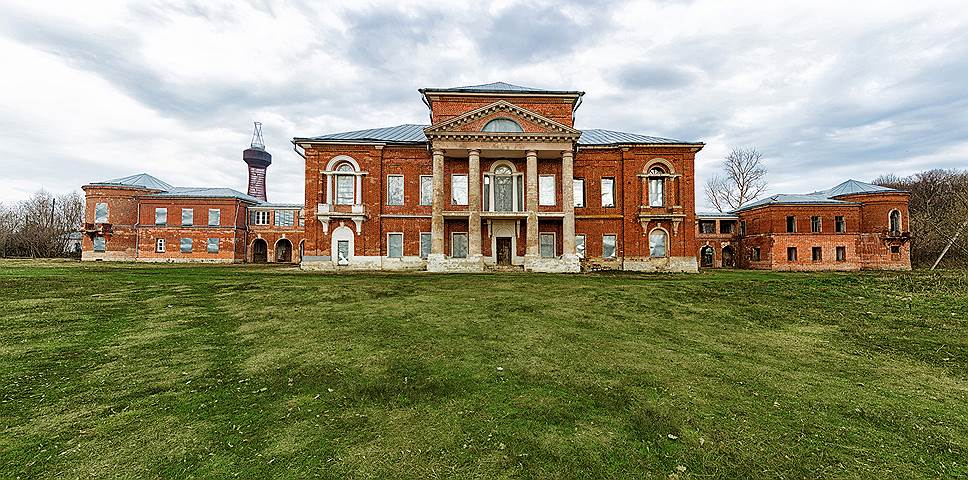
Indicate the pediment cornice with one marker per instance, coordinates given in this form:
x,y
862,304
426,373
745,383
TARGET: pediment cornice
x,y
452,129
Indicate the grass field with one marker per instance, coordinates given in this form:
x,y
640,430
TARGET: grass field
x,y
138,371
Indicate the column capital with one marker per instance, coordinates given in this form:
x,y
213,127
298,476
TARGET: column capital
x,y
567,154
438,152
531,153
474,152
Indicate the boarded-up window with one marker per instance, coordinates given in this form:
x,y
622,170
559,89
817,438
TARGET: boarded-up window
x,y
458,189
161,216
285,218
579,189
608,192
580,246
188,216
98,244
186,245
547,245
395,190
608,246
100,213
426,242
426,190
214,217
458,245
546,190
213,245
395,245
657,243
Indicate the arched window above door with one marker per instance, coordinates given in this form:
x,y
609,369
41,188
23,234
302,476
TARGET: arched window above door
x,y
502,125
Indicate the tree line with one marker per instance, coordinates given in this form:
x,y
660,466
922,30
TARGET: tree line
x,y
43,226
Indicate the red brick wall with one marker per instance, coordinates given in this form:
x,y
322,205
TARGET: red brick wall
x,y
231,231
447,107
121,242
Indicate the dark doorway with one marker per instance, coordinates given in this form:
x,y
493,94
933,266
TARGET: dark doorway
x,y
260,251
503,250
728,257
284,251
706,256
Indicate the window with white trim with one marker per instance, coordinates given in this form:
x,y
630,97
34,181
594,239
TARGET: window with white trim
x,y
345,185
657,243
608,246
259,217
100,213
579,191
608,192
546,190
656,187
160,245
426,189
161,216
394,189
458,189
214,217
395,245
426,242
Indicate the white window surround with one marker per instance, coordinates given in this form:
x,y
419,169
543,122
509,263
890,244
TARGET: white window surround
x,y
214,217
579,192
395,189
425,246
391,236
658,243
608,192
503,169
161,216
160,245
331,172
547,192
426,190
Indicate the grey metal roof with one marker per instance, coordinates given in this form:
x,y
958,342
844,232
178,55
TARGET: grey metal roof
x,y
851,187
496,87
138,180
702,215
597,136
206,192
407,133
280,205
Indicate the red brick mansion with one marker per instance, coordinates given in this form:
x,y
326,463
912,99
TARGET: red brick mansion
x,y
499,180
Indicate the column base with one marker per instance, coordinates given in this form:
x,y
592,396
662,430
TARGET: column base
x,y
564,264
441,264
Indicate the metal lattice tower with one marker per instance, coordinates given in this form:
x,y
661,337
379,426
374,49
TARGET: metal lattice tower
x,y
257,141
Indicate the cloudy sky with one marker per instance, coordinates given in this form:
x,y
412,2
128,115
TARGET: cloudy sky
x,y
826,90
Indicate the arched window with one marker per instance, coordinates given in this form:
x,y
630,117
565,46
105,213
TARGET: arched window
x,y
656,187
895,218
657,243
502,125
503,189
345,182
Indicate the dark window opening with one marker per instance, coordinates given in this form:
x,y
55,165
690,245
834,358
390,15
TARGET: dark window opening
x,y
815,225
791,224
841,225
727,226
707,226
841,254
817,254
791,254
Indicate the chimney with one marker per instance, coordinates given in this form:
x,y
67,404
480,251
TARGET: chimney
x,y
258,159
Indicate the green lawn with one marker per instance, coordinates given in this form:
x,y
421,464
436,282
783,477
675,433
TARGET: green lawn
x,y
138,371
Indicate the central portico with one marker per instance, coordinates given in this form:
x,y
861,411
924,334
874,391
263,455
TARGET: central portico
x,y
518,167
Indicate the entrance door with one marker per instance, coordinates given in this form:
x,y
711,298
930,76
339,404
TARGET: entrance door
x,y
503,250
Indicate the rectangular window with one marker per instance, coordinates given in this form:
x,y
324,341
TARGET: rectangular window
x,y
547,245
458,189
841,254
100,213
608,246
756,254
791,224
656,196
895,249
546,190
841,225
816,253
260,217
579,189
815,224
342,252
186,245
608,192
394,189
99,244
285,218
161,216
426,190
188,216
657,243
707,226
213,245
160,245
519,181
742,228
458,245
426,241
214,217
791,254
395,245
580,246
344,189
727,226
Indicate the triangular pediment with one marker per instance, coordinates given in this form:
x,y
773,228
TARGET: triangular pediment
x,y
472,122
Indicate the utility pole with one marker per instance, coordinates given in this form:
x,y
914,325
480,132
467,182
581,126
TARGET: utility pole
x,y
952,242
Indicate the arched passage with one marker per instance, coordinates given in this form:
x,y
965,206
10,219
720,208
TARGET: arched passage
x,y
260,251
729,257
283,251
706,256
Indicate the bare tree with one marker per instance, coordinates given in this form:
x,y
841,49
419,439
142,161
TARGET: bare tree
x,y
742,181
41,226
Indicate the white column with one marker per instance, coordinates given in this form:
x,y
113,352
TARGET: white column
x,y
474,205
568,198
533,249
437,222
359,189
